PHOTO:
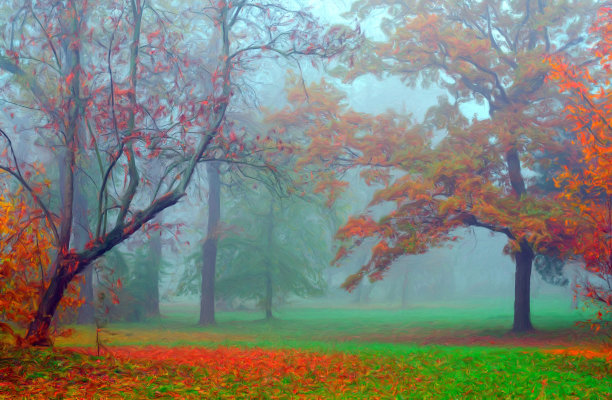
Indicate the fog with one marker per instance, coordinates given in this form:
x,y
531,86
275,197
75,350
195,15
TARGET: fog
x,y
291,128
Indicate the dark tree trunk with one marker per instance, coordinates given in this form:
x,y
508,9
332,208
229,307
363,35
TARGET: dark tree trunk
x,y
38,331
514,173
524,257
522,286
81,234
62,272
151,306
268,298
209,249
268,274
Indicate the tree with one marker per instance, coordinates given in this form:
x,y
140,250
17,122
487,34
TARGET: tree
x,y
24,262
267,163
452,171
113,81
587,182
209,248
82,232
138,270
273,248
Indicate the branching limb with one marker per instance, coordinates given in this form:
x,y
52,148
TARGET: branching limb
x,y
16,173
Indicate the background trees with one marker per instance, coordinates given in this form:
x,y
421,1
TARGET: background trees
x,y
263,254
267,236
266,256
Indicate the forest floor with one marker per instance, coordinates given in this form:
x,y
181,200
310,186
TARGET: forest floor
x,y
325,353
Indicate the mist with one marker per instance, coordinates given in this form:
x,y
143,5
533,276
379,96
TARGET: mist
x,y
352,178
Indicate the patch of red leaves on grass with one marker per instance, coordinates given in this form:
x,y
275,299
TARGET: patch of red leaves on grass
x,y
272,373
249,364
586,353
34,374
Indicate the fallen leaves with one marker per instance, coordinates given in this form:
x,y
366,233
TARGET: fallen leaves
x,y
196,372
237,372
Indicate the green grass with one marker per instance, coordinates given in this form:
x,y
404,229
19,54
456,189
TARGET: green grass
x,y
392,362
441,323
383,371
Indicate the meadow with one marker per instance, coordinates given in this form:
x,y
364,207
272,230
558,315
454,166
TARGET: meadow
x,y
427,351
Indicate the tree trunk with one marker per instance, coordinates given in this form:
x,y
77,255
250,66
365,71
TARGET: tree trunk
x,y
209,249
522,286
63,273
268,273
524,257
81,234
38,331
151,299
514,173
268,298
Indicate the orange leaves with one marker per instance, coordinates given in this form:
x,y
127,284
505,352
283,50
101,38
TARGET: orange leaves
x,y
587,183
25,249
358,227
380,248
331,186
204,373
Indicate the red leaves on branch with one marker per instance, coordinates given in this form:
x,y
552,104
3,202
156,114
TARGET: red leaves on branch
x,y
25,250
587,183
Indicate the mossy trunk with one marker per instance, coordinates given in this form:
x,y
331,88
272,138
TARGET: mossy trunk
x,y
209,249
268,297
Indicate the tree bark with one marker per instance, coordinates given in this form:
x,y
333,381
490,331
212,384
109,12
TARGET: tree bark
x,y
514,173
268,298
151,297
209,249
522,287
81,234
38,331
268,274
63,271
524,257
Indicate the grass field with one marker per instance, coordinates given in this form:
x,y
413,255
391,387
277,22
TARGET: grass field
x,y
437,351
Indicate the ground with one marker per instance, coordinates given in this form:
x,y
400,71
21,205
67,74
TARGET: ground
x,y
428,351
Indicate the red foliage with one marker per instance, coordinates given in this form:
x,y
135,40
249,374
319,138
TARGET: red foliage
x,y
252,372
587,183
25,246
